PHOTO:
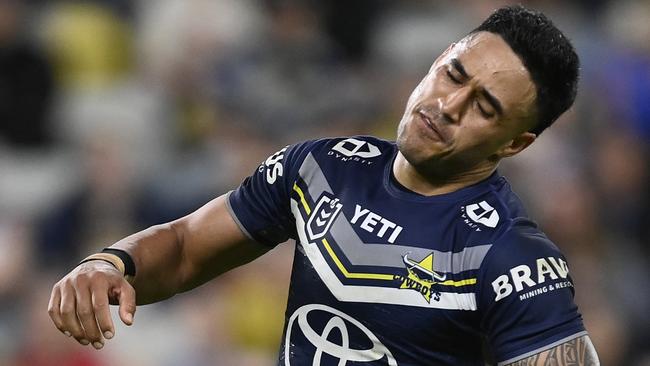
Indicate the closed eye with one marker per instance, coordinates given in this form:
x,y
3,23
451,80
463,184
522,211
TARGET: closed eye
x,y
484,113
453,78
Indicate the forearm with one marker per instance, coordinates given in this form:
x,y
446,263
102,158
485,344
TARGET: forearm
x,y
168,259
158,256
178,256
576,352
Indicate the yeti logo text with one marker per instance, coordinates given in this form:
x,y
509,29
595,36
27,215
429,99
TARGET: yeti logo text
x,y
483,213
353,147
340,321
323,216
371,220
522,276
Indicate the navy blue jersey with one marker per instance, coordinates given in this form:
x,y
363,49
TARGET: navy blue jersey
x,y
385,276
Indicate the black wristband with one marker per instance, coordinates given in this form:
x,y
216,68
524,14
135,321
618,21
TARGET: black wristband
x,y
97,259
129,265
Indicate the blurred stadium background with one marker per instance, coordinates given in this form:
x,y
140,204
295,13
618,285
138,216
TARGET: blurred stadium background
x,y
118,114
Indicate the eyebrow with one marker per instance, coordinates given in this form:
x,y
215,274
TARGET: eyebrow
x,y
459,67
496,104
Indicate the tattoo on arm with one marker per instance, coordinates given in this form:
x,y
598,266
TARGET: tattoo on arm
x,y
576,352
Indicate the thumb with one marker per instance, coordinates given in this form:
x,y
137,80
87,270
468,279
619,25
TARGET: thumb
x,y
126,300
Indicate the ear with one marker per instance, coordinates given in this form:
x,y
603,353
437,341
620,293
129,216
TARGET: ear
x,y
516,145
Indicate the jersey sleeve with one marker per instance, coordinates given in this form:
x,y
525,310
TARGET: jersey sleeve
x,y
526,296
260,205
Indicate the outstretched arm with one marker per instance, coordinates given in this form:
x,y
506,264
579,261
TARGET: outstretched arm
x,y
576,352
169,258
185,253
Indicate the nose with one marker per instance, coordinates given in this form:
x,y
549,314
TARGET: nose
x,y
454,105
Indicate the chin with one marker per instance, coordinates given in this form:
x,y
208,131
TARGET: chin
x,y
413,153
416,149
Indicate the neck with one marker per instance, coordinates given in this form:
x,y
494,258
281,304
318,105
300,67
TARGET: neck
x,y
435,183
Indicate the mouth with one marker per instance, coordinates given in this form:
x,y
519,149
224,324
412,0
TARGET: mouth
x,y
431,126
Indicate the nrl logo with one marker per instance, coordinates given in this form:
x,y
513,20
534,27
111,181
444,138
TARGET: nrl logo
x,y
421,277
323,216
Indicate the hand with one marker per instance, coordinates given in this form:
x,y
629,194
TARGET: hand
x,y
79,302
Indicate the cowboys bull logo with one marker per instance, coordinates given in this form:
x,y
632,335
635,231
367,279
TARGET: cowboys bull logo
x,y
317,334
421,277
323,216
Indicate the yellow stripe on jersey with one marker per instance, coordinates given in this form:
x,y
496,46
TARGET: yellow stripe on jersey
x,y
368,276
302,198
469,281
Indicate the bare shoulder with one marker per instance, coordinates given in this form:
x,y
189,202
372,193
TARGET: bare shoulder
x,y
576,352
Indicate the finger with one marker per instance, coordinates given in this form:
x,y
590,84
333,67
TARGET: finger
x,y
86,315
54,310
126,299
68,310
102,311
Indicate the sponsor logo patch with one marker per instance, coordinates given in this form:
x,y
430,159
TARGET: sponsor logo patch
x,y
480,213
352,149
302,326
375,224
521,279
273,166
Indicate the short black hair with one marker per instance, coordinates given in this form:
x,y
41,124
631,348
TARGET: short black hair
x,y
546,53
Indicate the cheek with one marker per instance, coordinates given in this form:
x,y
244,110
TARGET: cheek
x,y
415,95
430,86
479,137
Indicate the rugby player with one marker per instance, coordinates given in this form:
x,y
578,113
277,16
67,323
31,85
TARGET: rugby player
x,y
414,252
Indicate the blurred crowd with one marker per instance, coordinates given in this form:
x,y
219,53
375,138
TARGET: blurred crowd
x,y
119,114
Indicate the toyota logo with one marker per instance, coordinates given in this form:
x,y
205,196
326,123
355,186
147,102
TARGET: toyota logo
x,y
339,321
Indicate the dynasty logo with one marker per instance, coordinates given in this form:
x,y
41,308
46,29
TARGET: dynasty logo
x,y
421,277
480,213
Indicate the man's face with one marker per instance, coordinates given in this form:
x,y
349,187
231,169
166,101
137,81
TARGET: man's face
x,y
472,108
